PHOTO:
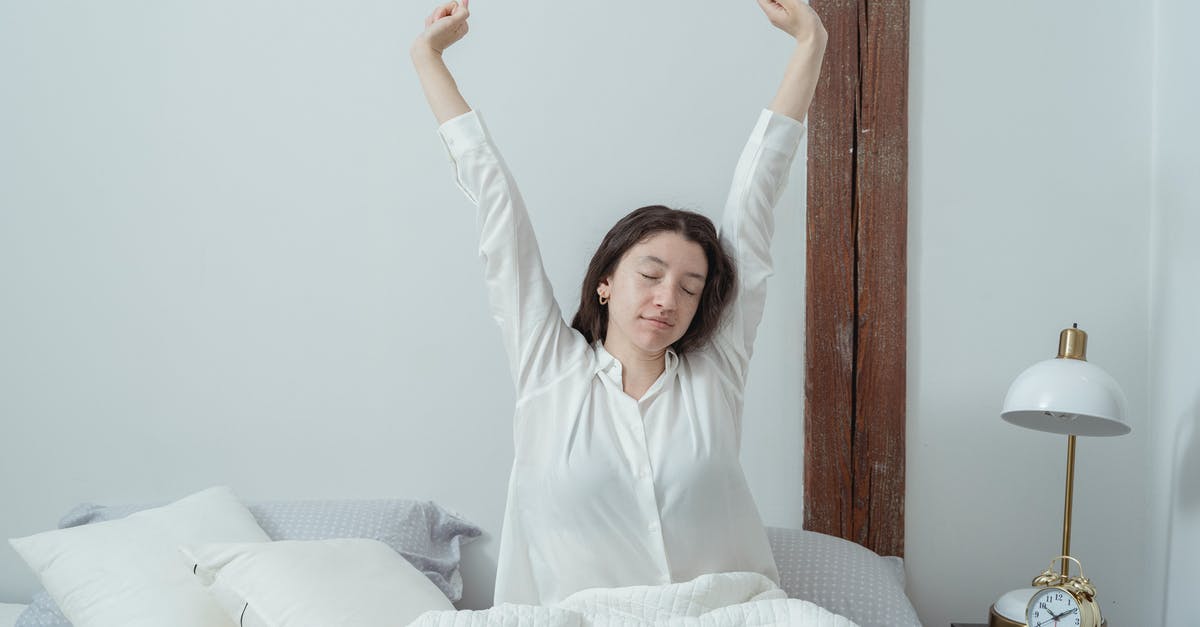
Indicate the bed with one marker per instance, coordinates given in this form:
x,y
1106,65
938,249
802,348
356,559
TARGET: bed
x,y
392,559
9,613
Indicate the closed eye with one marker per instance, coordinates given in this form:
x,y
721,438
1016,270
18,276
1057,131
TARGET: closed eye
x,y
655,278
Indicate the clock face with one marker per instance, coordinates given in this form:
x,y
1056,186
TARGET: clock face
x,y
1053,607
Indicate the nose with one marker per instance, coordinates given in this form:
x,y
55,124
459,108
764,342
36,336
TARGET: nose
x,y
664,296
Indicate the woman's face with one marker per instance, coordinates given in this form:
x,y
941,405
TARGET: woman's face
x,y
654,293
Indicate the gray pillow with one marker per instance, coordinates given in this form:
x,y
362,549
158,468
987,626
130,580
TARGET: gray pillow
x,y
424,533
843,577
42,612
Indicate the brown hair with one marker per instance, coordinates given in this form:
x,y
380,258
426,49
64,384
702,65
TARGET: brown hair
x,y
592,319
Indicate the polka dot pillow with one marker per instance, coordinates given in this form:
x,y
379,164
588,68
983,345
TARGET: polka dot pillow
x,y
843,577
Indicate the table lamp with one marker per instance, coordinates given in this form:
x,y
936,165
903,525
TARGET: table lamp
x,y
1069,396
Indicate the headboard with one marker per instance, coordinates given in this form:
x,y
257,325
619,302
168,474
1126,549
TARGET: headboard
x,y
856,277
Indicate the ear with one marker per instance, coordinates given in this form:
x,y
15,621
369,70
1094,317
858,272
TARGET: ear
x,y
605,286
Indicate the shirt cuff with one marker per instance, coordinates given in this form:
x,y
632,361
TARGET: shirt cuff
x,y
780,132
463,133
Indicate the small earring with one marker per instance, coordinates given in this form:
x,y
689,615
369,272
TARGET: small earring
x,y
603,299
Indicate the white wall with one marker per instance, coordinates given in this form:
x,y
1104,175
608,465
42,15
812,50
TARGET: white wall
x,y
1030,188
231,249
1174,488
231,252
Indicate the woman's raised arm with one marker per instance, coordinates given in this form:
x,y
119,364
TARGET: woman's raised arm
x,y
539,343
758,183
446,25
797,19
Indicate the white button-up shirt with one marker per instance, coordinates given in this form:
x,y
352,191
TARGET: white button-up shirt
x,y
607,490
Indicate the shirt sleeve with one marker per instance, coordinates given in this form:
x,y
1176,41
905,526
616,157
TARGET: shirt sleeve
x,y
746,230
539,343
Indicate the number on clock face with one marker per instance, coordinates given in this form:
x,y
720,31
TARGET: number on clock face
x,y
1053,608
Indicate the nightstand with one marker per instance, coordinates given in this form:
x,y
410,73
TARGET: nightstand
x,y
985,625
1105,623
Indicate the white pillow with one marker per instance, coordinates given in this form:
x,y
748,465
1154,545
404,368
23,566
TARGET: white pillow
x,y
355,582
128,572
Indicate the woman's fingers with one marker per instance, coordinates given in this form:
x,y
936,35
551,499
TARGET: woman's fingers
x,y
776,12
794,17
441,11
446,25
770,6
450,9
446,10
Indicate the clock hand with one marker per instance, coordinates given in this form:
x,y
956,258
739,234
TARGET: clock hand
x,y
1055,617
1052,619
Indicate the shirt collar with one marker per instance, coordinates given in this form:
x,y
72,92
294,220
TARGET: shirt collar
x,y
606,362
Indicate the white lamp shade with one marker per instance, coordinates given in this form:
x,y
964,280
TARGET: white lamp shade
x,y
1067,396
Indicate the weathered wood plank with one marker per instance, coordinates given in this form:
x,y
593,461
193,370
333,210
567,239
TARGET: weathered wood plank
x,y
856,299
829,329
881,198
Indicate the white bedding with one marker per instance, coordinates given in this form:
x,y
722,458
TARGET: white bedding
x,y
9,613
716,600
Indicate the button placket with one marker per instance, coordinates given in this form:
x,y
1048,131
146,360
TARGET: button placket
x,y
631,416
643,472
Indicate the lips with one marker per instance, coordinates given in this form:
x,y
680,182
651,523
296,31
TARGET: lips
x,y
659,323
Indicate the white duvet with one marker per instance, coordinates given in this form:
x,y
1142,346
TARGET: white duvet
x,y
716,600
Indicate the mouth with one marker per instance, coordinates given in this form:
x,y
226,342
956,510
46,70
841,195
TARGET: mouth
x,y
660,324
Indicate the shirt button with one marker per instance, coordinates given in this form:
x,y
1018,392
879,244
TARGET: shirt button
x,y
641,473
653,527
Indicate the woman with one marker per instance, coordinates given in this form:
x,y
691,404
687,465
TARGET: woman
x,y
628,422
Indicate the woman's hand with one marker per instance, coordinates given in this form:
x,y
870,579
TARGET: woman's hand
x,y
445,26
795,18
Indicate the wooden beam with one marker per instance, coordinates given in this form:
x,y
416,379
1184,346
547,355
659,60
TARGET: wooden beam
x,y
829,283
856,290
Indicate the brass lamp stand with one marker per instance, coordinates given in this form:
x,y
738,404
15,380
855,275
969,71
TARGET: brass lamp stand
x,y
1069,396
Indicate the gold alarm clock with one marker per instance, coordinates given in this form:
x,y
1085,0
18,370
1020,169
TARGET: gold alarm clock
x,y
1057,600
1063,601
